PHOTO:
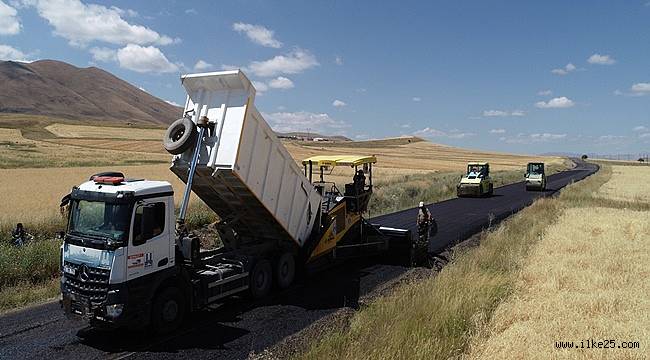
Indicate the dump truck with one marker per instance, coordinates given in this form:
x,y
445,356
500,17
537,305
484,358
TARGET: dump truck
x,y
127,261
476,182
535,176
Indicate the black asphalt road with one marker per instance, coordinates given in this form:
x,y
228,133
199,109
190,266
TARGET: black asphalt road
x,y
241,328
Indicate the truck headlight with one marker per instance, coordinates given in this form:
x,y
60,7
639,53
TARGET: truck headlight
x,y
114,310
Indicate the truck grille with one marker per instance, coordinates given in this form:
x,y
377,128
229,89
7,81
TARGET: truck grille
x,y
88,282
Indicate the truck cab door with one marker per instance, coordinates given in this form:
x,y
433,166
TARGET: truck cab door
x,y
149,248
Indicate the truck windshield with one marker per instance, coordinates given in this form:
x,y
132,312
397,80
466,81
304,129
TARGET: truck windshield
x,y
100,219
535,168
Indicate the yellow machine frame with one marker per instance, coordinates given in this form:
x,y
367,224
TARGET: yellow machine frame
x,y
340,212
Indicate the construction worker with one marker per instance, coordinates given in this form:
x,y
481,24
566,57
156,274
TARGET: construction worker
x,y
423,221
359,180
19,236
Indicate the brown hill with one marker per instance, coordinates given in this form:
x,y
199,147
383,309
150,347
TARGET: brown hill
x,y
55,88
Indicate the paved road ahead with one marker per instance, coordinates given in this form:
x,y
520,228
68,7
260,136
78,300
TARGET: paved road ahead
x,y
238,329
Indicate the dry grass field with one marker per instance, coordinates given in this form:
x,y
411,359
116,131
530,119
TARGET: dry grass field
x,y
627,184
588,278
104,132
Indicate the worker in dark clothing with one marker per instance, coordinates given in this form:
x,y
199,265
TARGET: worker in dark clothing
x,y
423,221
359,180
19,236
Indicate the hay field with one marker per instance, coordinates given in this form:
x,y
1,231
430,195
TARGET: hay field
x,y
104,132
418,155
588,278
17,151
627,184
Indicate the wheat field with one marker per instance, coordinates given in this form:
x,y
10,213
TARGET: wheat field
x,y
104,132
627,184
588,278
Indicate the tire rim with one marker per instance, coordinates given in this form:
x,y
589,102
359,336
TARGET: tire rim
x,y
178,134
170,311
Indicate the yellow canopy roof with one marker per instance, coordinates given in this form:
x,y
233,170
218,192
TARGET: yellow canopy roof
x,y
476,163
340,160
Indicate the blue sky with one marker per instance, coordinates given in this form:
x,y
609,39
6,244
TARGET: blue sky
x,y
501,75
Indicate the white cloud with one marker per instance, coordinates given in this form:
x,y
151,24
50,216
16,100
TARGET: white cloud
x,y
361,90
544,93
432,133
645,135
103,54
416,99
503,113
8,53
191,11
303,121
174,103
81,24
202,65
9,22
260,87
257,34
338,60
338,103
296,61
555,103
640,128
281,83
611,138
601,59
563,71
229,67
144,59
641,88
498,131
533,138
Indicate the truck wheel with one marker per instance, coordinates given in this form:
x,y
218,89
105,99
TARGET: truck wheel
x,y
491,191
285,270
180,136
168,310
261,279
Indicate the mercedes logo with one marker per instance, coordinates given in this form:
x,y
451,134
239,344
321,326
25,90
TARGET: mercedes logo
x,y
83,273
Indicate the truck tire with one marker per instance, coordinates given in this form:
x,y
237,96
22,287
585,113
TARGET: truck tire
x,y
180,136
285,270
168,310
491,191
261,278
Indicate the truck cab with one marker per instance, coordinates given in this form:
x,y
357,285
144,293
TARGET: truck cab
x,y
119,241
535,176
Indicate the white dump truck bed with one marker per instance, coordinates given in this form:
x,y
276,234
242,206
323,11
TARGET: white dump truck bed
x,y
244,173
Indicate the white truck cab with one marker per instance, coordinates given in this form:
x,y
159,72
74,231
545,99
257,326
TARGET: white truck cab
x,y
120,233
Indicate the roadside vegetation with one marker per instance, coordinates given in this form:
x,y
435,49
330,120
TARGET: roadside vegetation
x,y
439,317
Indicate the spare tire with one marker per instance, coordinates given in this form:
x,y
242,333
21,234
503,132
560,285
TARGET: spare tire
x,y
180,136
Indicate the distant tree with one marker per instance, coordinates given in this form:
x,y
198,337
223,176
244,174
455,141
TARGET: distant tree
x,y
641,160
584,157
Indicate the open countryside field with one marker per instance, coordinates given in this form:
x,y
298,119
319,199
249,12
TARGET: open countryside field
x,y
77,151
